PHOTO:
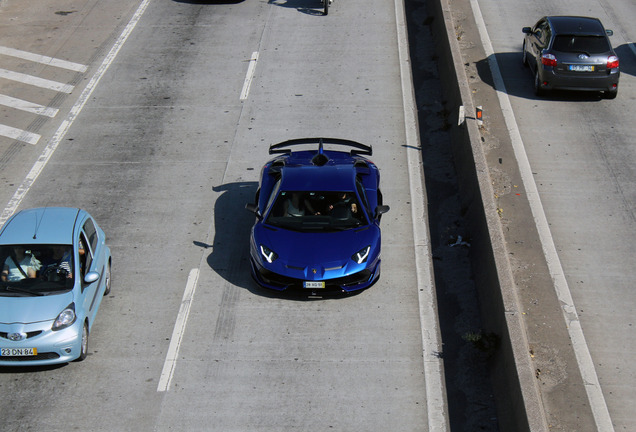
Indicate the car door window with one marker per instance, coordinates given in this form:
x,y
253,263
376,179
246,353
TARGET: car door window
x,y
85,255
548,36
363,197
542,33
272,196
91,234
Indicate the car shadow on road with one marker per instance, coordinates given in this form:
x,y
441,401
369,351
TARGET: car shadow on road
x,y
309,7
627,59
230,249
518,80
31,369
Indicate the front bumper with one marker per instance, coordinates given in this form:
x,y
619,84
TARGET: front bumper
x,y
341,285
53,347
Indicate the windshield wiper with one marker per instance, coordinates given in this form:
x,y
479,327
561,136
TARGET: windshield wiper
x,y
22,291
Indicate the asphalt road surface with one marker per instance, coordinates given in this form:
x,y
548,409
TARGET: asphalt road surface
x,y
156,117
160,132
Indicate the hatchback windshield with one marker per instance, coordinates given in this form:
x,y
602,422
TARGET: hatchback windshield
x,y
316,211
581,44
35,269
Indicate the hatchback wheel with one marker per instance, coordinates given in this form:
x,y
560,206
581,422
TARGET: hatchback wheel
x,y
108,280
84,344
524,57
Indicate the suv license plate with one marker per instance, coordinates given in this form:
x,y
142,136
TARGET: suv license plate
x,y
582,68
313,284
18,352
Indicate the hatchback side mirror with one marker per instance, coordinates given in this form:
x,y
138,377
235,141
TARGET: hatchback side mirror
x,y
609,32
91,277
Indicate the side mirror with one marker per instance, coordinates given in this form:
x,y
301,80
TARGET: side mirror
x,y
91,277
380,210
253,208
527,30
609,32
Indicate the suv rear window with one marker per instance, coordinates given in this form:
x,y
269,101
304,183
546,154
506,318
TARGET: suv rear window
x,y
581,44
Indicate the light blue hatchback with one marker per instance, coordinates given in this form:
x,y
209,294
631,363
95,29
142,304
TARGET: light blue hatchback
x,y
55,270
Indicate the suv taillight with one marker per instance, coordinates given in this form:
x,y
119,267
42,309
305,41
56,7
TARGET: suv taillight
x,y
612,62
548,60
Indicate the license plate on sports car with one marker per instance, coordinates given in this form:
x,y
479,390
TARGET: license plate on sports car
x,y
313,284
18,352
582,68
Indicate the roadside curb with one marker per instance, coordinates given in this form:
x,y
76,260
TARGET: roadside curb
x,y
518,395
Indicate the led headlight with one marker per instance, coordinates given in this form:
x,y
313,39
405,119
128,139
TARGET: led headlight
x,y
362,255
269,255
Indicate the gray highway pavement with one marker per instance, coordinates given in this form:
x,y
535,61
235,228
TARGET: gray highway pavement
x,y
165,152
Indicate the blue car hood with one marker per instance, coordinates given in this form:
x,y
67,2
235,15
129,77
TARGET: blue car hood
x,y
319,250
26,310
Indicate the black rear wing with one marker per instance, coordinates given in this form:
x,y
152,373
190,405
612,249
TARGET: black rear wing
x,y
358,148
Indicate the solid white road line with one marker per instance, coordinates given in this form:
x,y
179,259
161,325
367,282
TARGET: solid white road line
x,y
64,64
249,76
35,81
27,106
179,328
436,403
581,350
50,148
19,134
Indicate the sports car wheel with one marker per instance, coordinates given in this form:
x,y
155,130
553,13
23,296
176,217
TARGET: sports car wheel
x,y
84,344
108,280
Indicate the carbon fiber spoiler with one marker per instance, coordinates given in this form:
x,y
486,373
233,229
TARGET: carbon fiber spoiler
x,y
358,148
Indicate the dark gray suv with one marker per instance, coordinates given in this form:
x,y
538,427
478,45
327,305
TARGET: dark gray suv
x,y
571,53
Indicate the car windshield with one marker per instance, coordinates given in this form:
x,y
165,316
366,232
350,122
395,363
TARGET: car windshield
x,y
581,44
316,211
35,269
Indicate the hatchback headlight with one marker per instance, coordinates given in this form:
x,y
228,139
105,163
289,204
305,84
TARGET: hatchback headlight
x,y
269,255
362,255
66,318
